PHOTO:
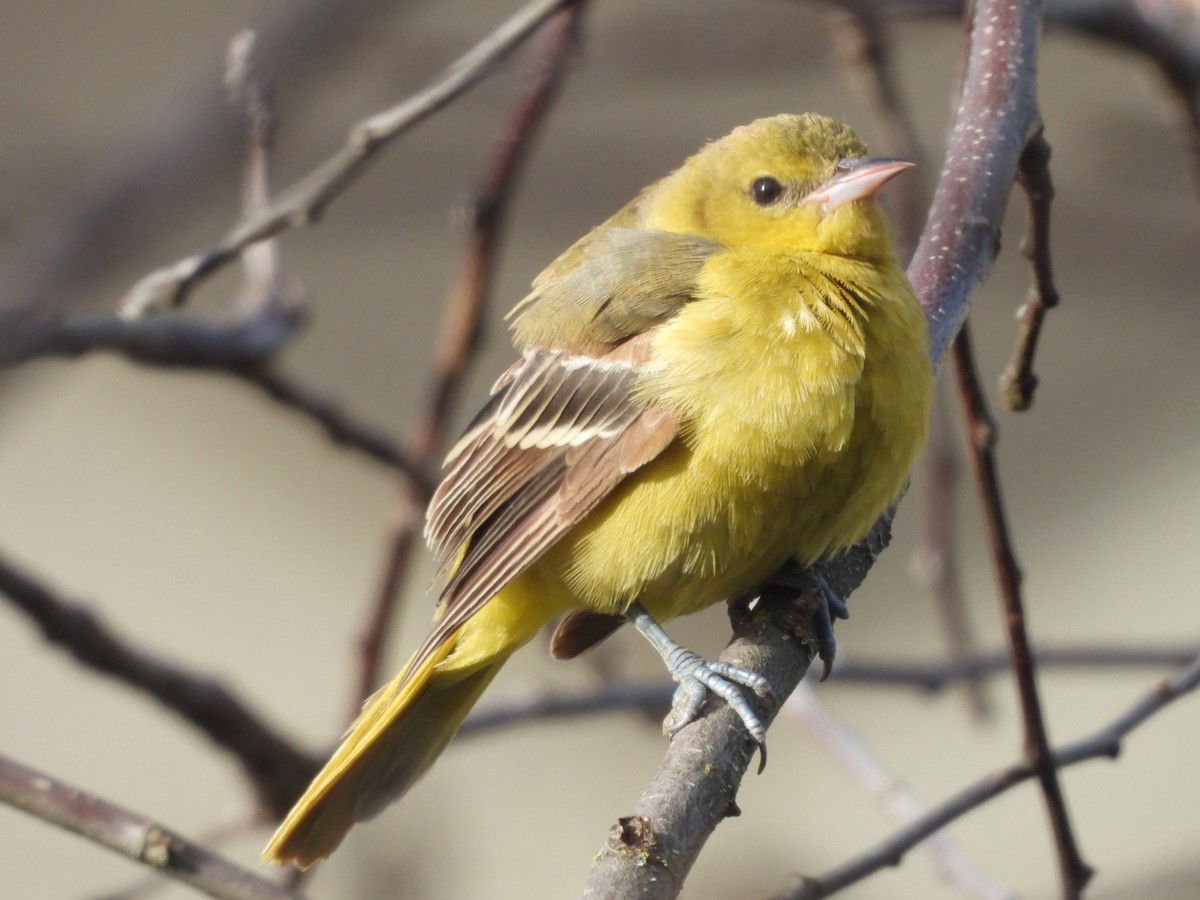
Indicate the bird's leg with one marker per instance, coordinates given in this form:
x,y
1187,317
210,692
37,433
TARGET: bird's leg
x,y
792,580
697,676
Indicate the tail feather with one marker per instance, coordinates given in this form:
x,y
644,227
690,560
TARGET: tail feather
x,y
402,729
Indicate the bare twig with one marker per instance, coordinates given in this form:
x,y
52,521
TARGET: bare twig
x,y
462,323
653,698
131,835
242,349
1104,743
1018,382
277,769
162,160
249,87
306,200
937,676
843,745
981,433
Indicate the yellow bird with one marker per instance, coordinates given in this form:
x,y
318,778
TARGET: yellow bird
x,y
727,376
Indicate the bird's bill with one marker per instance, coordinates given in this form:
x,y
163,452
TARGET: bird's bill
x,y
856,179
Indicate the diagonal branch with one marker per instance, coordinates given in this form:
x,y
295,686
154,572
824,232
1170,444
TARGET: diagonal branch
x,y
463,321
276,768
243,349
131,835
981,433
306,200
1103,743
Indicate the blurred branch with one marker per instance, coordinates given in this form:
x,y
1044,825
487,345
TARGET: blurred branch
x,y
131,835
462,322
276,768
844,746
1018,382
242,349
981,434
169,154
1106,742
653,697
305,201
248,87
938,676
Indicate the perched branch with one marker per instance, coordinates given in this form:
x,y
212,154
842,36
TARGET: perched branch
x,y
981,432
1018,382
277,770
305,201
997,114
650,851
462,321
131,835
1106,743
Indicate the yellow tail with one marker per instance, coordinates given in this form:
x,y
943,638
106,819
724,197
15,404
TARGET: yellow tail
x,y
403,728
406,725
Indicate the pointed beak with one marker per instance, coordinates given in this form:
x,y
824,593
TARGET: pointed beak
x,y
856,179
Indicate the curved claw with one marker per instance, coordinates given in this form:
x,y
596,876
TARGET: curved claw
x,y
697,677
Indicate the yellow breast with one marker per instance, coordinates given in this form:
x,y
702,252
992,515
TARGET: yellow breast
x,y
803,410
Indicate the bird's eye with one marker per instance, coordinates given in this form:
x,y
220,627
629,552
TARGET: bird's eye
x,y
765,190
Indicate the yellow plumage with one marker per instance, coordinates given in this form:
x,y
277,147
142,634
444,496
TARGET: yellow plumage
x,y
728,375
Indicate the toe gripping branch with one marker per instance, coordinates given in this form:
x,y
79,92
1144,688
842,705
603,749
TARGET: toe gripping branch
x,y
806,592
697,677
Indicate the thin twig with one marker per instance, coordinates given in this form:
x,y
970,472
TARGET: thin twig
x,y
306,200
131,835
276,768
249,87
981,433
242,349
653,697
1103,743
935,677
845,747
1018,382
462,322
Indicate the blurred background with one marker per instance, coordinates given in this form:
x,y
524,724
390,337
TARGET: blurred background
x,y
224,533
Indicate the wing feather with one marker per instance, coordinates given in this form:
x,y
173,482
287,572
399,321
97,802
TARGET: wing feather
x,y
562,430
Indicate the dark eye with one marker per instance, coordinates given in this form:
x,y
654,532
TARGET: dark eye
x,y
765,190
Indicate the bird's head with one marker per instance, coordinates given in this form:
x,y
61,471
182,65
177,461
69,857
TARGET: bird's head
x,y
796,182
